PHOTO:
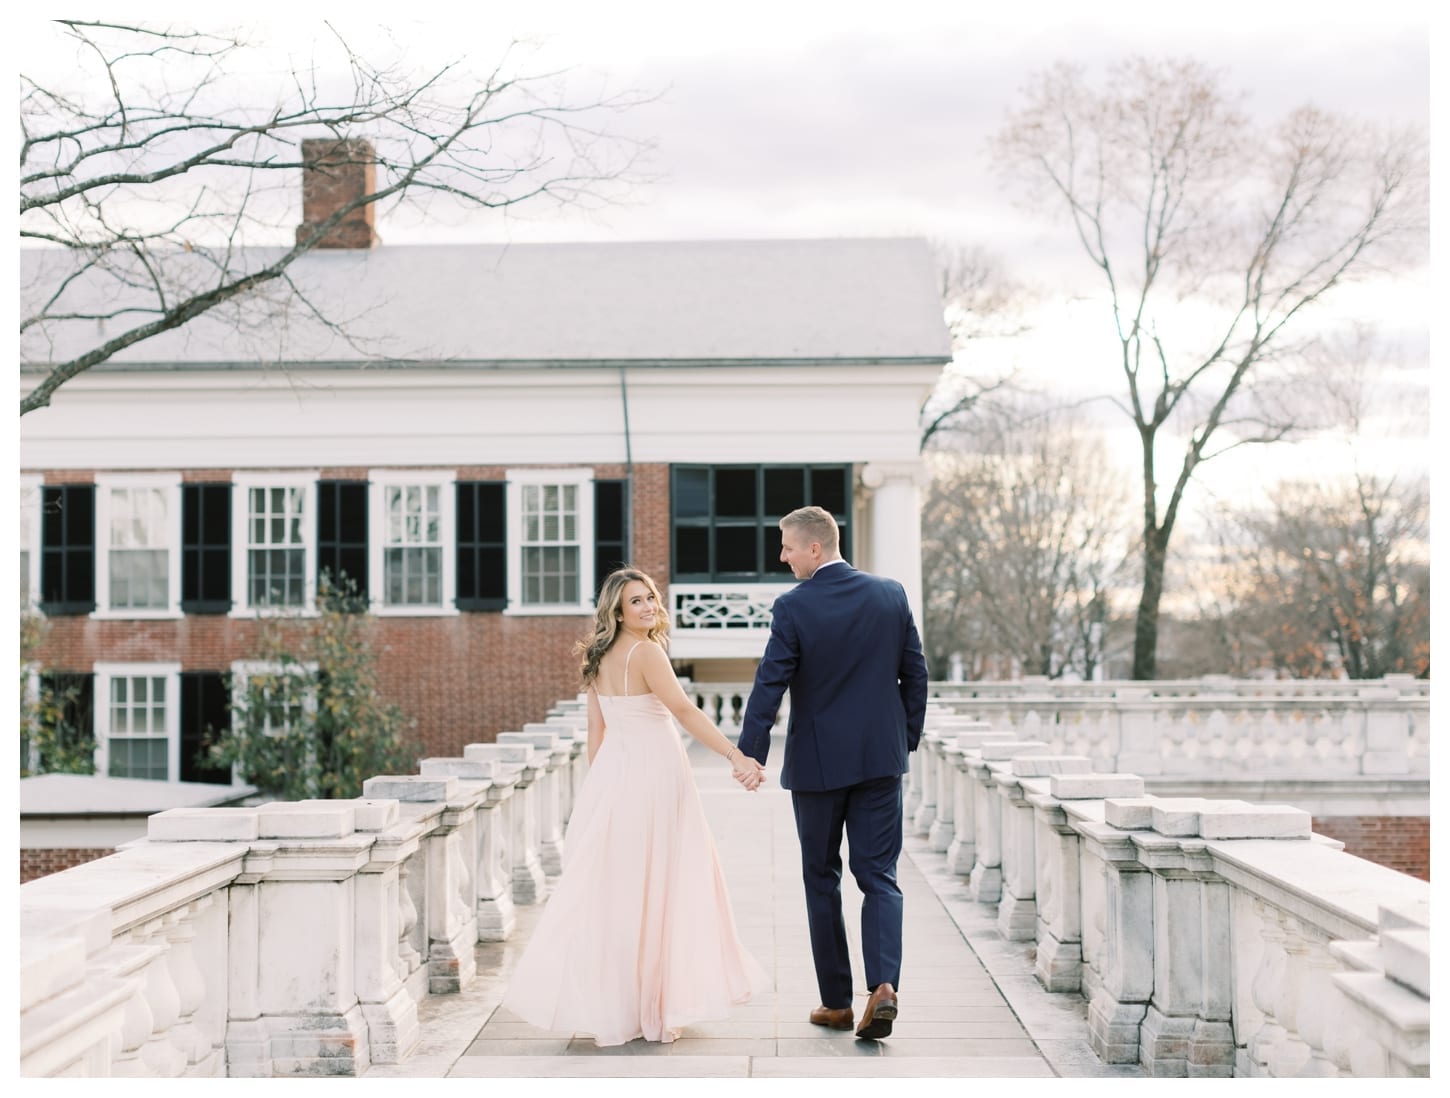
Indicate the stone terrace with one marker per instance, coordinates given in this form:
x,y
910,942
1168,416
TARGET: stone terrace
x,y
970,1005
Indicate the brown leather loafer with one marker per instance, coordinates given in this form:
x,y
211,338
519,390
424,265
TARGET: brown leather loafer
x,y
834,1019
880,1012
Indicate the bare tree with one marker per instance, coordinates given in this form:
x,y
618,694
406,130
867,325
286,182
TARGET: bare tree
x,y
1331,579
161,157
1022,541
981,302
1174,193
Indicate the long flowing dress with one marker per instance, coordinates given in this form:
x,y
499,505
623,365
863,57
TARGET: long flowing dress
x,y
638,938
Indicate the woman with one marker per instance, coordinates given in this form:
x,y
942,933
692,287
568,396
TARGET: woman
x,y
637,939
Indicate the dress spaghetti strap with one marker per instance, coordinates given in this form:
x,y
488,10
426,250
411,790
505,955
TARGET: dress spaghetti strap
x,y
627,656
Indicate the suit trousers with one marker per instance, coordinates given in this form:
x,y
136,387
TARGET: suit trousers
x,y
870,813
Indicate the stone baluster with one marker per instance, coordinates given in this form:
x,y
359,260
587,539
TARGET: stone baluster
x,y
1291,1051
529,885
1017,907
1120,992
548,801
161,1054
575,731
203,1057
388,1004
1318,1012
962,851
928,750
1267,980
451,918
1057,922
130,963
911,798
949,730
985,883
493,864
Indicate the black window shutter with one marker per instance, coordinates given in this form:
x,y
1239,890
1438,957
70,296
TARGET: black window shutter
x,y
68,549
75,692
482,574
205,713
611,526
206,548
342,533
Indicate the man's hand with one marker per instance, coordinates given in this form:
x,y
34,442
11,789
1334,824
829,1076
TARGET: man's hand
x,y
746,771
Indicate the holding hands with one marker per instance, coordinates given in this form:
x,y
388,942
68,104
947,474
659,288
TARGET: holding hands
x,y
745,770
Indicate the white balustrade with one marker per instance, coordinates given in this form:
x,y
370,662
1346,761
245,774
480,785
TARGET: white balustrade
x,y
1209,936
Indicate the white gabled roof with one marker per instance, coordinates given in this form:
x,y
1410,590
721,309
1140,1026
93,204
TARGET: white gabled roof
x,y
668,302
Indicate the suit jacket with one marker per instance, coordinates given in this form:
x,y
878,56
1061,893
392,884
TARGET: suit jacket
x,y
844,644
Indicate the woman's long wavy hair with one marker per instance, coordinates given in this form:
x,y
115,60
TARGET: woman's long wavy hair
x,y
608,614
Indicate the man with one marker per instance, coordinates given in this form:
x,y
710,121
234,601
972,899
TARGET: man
x,y
844,643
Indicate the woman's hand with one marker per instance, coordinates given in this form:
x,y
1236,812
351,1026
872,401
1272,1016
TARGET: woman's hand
x,y
746,770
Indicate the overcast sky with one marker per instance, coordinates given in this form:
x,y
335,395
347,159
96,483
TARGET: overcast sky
x,y
793,118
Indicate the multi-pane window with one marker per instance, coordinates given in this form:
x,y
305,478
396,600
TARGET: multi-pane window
x,y
413,546
413,550
138,747
137,544
136,719
482,546
724,518
68,549
550,544
206,548
140,540
274,532
278,696
551,540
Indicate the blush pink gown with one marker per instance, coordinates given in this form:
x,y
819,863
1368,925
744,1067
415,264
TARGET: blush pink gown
x,y
638,938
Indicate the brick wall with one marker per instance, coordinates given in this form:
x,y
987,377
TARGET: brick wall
x,y
1398,842
463,679
41,863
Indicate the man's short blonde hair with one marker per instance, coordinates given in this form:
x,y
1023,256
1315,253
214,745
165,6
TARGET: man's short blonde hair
x,y
815,524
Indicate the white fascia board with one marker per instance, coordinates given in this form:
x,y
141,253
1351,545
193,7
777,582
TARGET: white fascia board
x,y
229,419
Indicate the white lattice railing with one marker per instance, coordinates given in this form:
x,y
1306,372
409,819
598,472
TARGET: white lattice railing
x,y
721,619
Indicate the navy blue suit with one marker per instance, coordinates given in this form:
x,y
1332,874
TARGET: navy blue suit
x,y
844,644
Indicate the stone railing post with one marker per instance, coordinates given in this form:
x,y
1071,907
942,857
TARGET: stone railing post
x,y
929,753
449,847
962,851
493,863
1017,907
521,759
575,731
986,879
1057,926
1139,751
549,802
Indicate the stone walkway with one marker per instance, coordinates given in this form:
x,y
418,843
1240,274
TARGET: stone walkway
x,y
970,1006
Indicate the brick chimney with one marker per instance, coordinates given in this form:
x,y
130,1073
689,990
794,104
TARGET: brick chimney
x,y
336,173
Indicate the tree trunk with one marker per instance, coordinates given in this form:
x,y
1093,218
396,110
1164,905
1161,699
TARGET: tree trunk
x,y
1145,633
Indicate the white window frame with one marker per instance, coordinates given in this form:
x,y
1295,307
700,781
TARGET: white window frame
x,y
171,483
242,484
31,492
101,714
582,477
243,670
445,480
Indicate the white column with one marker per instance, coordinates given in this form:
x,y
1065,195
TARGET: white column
x,y
895,524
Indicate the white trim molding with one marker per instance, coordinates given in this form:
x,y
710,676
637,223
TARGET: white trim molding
x,y
170,485
30,492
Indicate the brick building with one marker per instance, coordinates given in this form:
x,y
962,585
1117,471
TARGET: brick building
x,y
476,434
